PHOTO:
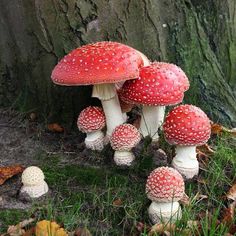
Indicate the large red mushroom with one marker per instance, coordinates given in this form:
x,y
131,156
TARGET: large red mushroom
x,y
165,187
91,121
101,64
186,126
159,84
123,139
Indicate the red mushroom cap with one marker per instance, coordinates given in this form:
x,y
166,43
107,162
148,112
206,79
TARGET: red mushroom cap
x,y
125,106
159,84
165,184
102,62
125,137
187,125
91,119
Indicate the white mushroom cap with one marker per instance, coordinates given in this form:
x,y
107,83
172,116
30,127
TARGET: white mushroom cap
x,y
32,176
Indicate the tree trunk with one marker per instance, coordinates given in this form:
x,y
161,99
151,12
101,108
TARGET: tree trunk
x,y
199,36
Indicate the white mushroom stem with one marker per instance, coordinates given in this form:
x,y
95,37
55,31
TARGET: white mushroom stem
x,y
111,106
164,212
152,119
185,161
35,191
123,158
94,140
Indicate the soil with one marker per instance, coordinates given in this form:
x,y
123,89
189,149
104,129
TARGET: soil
x,y
24,140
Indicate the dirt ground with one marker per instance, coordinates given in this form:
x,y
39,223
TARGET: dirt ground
x,y
23,141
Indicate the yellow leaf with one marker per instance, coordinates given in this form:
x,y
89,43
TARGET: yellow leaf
x,y
48,228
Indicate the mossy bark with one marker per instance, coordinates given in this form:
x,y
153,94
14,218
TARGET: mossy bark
x,y
199,36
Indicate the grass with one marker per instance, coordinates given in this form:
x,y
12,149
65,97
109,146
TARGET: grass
x,y
110,201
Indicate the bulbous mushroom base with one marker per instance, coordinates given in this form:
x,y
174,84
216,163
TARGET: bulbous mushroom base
x,y
123,158
94,141
160,212
185,161
35,191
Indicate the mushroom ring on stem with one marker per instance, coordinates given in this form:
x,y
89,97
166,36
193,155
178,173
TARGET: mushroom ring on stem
x,y
186,126
123,139
159,84
101,64
165,187
91,121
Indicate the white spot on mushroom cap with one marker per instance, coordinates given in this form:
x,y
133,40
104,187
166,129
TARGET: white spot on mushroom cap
x,y
165,184
91,119
125,137
187,125
158,84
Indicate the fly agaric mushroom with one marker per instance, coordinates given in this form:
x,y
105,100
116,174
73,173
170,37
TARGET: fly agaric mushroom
x,y
165,187
125,106
159,84
123,139
186,126
91,121
102,64
33,182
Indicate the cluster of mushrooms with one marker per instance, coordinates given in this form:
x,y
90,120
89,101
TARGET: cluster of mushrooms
x,y
123,77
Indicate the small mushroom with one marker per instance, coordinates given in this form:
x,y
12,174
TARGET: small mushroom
x,y
101,64
123,139
159,84
33,182
186,126
91,121
165,187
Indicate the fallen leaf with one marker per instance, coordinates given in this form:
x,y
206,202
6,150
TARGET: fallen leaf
x,y
18,230
30,232
218,129
185,200
49,228
55,128
141,227
228,214
206,149
82,231
9,171
161,228
33,116
117,202
232,193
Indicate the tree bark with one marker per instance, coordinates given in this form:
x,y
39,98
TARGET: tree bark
x,y
199,36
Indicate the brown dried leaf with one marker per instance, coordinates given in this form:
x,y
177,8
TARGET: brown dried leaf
x,y
161,228
206,149
82,232
55,128
18,230
9,171
140,226
30,232
117,202
228,215
232,193
219,129
33,116
216,128
185,200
